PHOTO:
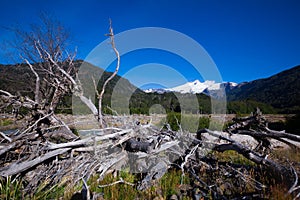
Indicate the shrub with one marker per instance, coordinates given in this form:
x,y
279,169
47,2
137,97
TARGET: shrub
x,y
188,122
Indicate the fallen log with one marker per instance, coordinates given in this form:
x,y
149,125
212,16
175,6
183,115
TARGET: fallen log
x,y
8,147
87,140
17,168
110,162
270,134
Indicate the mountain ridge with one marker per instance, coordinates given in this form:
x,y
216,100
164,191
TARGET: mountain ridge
x,y
195,87
281,90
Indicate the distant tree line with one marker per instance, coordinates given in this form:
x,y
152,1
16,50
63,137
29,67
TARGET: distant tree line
x,y
140,103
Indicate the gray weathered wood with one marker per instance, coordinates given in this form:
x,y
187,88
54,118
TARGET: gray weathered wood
x,y
16,168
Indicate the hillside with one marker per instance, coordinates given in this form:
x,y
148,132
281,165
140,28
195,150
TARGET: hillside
x,y
282,91
16,76
18,79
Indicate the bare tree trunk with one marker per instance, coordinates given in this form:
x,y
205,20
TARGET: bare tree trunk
x,y
100,96
37,83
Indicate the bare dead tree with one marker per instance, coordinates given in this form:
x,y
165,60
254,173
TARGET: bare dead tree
x,y
55,71
100,95
43,49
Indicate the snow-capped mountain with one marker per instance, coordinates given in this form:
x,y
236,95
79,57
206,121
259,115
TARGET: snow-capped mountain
x,y
196,87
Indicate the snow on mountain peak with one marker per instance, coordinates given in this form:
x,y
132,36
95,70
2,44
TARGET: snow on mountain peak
x,y
195,87
233,84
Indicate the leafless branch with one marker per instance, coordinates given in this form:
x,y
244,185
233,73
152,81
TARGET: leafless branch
x,y
116,182
5,137
35,123
37,83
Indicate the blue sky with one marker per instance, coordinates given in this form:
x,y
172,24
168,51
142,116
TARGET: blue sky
x,y
247,39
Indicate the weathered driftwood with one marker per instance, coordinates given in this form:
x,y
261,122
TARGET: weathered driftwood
x,y
17,168
87,140
155,173
113,160
5,137
8,147
142,149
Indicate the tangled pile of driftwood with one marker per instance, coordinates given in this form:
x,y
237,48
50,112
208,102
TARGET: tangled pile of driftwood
x,y
56,156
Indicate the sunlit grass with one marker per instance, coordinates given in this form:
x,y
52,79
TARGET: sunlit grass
x,y
6,122
292,155
168,185
10,189
279,192
232,157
